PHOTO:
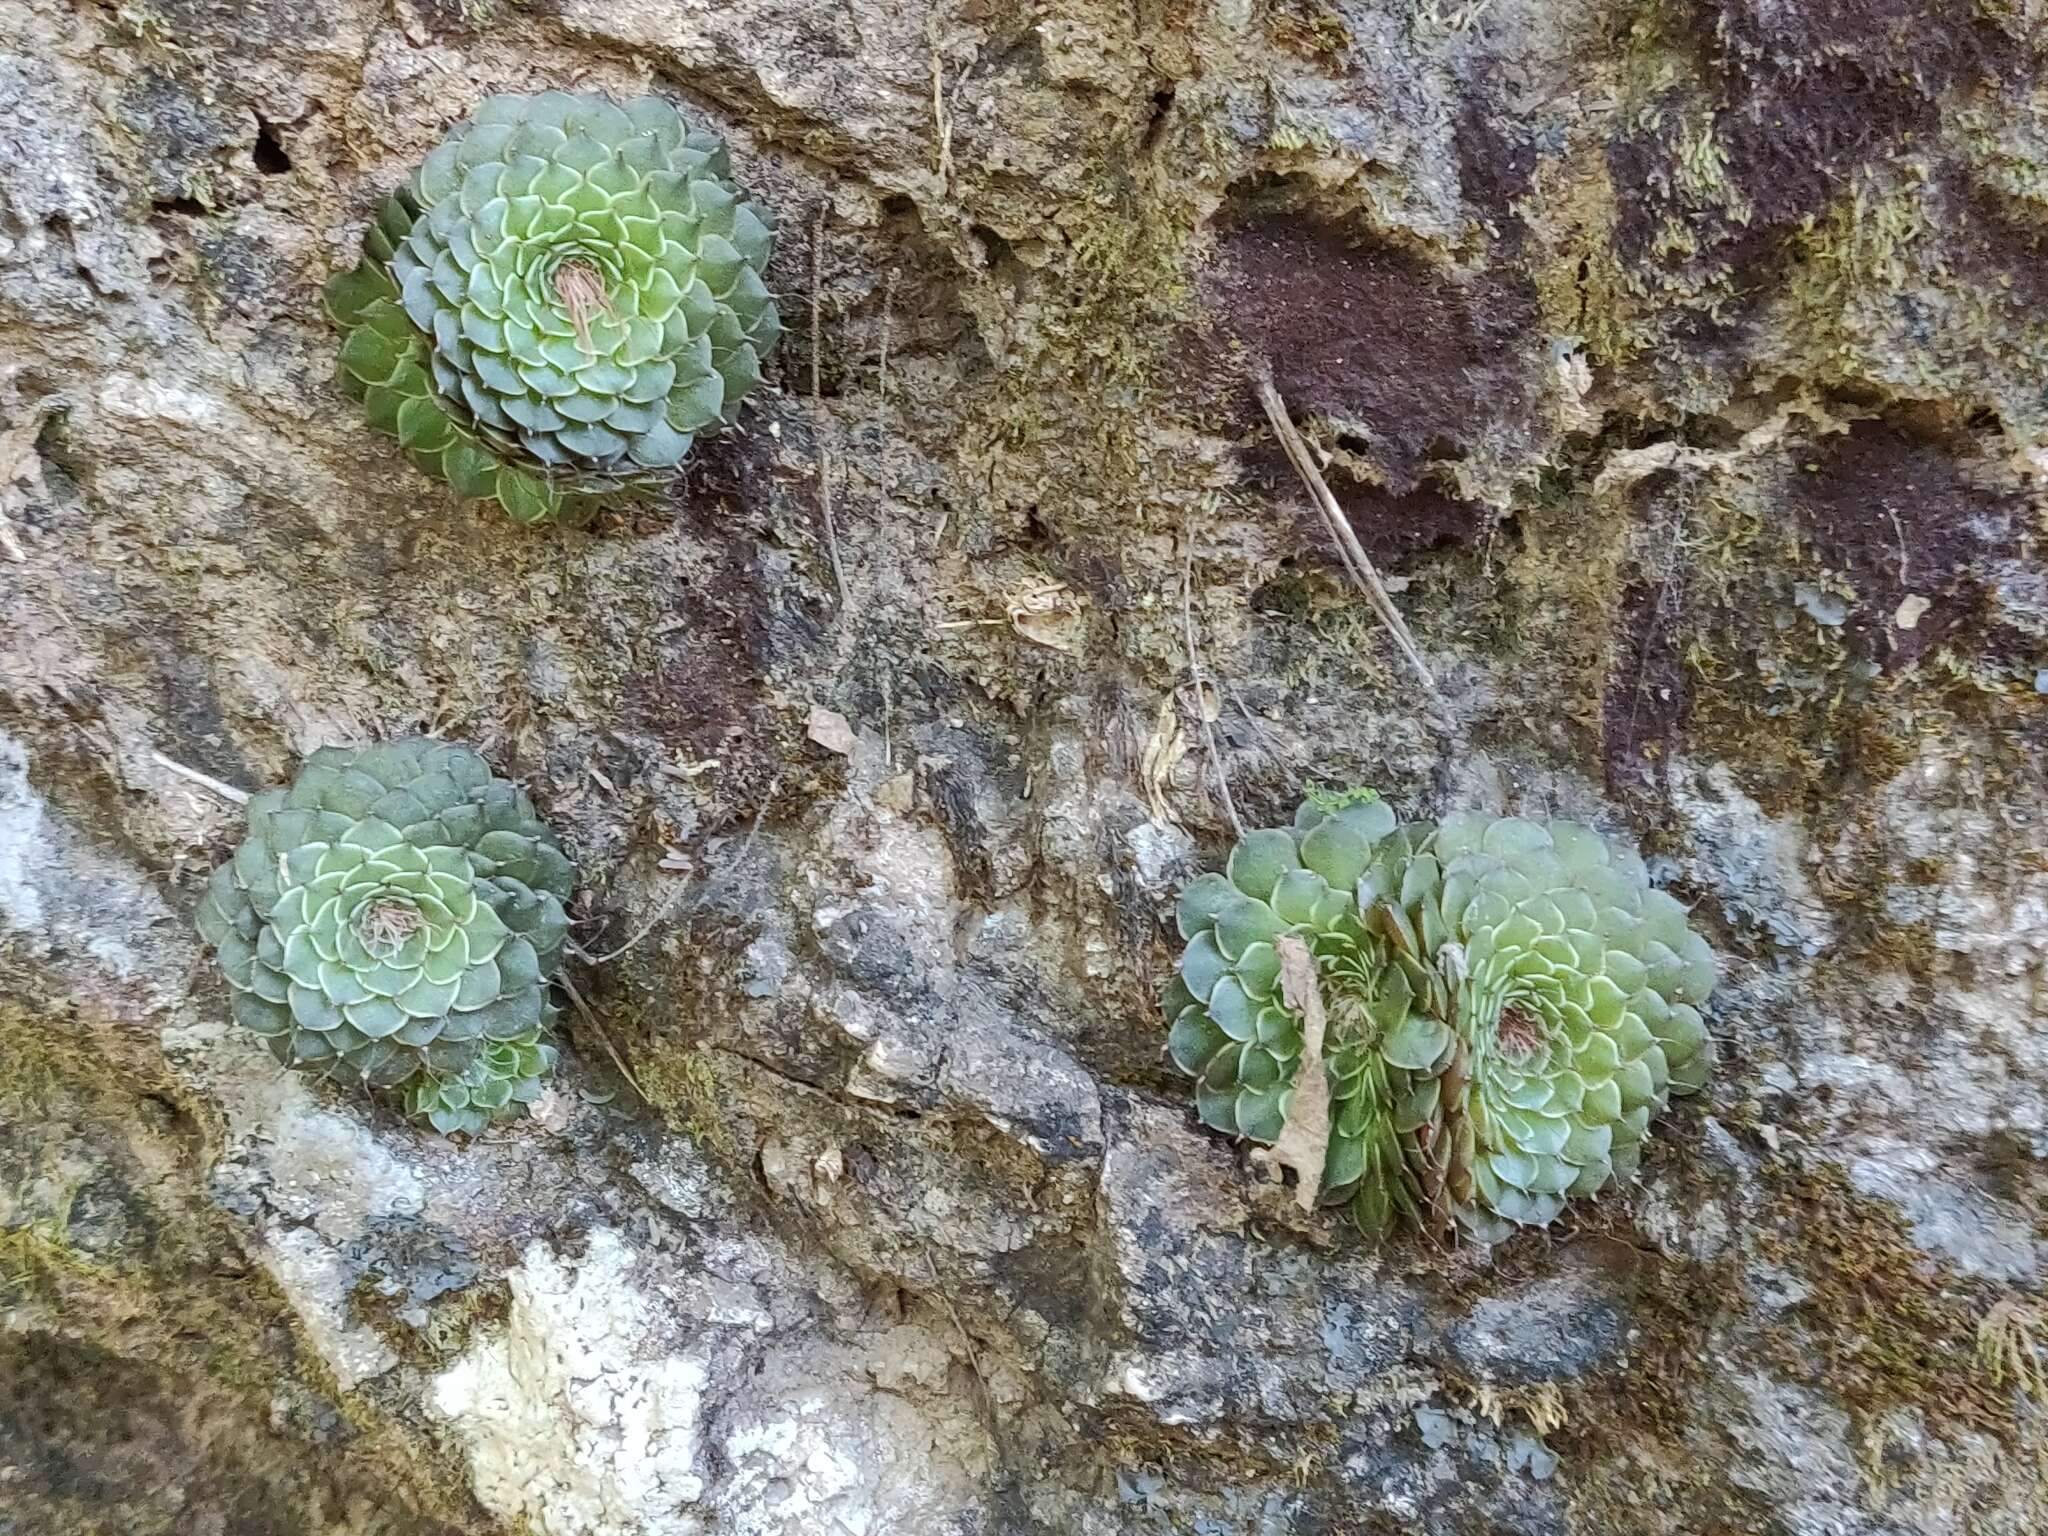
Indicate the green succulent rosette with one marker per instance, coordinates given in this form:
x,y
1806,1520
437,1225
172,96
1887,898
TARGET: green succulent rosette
x,y
1509,1004
394,919
506,1076
564,295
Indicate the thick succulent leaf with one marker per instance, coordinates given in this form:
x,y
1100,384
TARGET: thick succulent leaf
x,y
1346,1163
1194,1040
470,469
527,497
349,294
1200,900
1298,897
1175,998
1217,1108
1202,965
1336,851
1232,1009
1257,969
1370,817
1418,1044
1262,1113
1419,1106
1246,922
1258,862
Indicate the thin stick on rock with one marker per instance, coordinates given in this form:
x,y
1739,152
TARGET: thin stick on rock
x,y
1353,553
966,1339
942,120
817,297
1187,619
589,1018
227,792
882,364
817,407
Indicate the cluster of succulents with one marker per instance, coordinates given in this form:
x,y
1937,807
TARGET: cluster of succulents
x,y
394,920
1507,1005
565,294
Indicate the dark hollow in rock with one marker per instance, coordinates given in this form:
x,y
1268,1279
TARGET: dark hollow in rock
x,y
1815,90
1394,528
1379,342
1889,505
268,153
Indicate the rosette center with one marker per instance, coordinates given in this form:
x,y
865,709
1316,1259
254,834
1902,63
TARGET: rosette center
x,y
385,923
1521,1032
580,287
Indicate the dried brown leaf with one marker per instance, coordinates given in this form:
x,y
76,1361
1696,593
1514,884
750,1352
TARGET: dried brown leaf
x,y
1304,1143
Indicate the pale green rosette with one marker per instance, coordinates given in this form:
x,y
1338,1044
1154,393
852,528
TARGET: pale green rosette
x,y
395,916
563,297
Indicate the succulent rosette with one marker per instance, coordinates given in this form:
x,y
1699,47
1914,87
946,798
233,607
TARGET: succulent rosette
x,y
1509,1003
506,1076
565,294
394,919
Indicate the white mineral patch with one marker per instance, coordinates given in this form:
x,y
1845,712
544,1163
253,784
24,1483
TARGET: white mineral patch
x,y
841,1458
63,894
22,837
570,1422
140,399
316,1282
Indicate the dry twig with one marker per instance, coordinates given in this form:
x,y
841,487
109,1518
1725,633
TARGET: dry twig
x,y
583,1012
1352,552
1187,619
966,1341
944,108
882,365
227,792
818,422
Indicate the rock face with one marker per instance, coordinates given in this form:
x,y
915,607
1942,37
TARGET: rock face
x,y
1682,364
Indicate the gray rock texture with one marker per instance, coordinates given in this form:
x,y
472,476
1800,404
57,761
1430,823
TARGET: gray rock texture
x,y
1681,363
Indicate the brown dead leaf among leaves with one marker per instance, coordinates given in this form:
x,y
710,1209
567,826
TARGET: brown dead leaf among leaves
x,y
1304,1143
1049,613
